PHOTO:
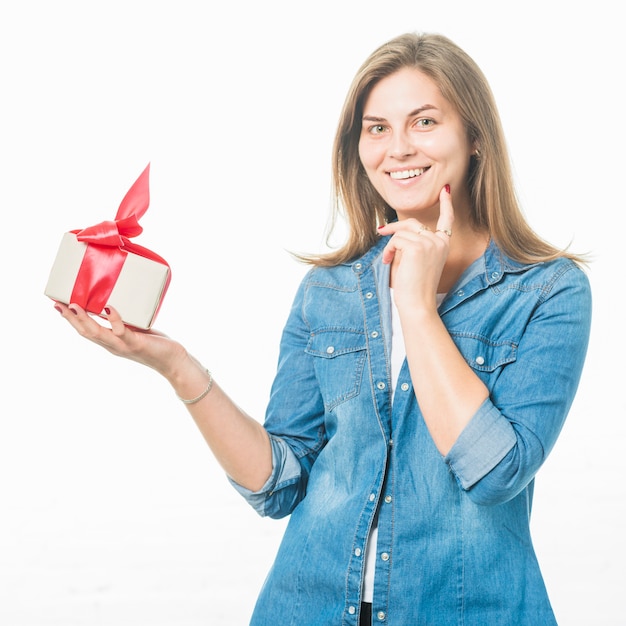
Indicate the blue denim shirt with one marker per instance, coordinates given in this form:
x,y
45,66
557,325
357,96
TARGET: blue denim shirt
x,y
454,545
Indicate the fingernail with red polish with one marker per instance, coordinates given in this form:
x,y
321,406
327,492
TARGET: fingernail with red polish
x,y
58,308
107,310
447,188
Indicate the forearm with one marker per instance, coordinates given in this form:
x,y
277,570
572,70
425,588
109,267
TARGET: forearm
x,y
240,444
447,390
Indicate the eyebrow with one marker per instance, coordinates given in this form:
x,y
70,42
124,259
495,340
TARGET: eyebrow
x,y
425,107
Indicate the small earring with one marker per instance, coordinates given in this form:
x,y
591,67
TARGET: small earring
x,y
477,153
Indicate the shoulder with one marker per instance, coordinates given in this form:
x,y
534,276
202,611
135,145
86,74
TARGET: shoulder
x,y
344,275
560,274
543,275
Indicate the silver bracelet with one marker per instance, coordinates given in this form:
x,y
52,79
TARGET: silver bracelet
x,y
204,393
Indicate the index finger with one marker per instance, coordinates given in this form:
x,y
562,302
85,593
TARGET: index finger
x,y
446,211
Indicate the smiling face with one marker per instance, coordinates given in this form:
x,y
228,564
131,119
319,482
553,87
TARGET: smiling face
x,y
413,142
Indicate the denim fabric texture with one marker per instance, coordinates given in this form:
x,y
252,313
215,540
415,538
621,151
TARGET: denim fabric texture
x,y
454,546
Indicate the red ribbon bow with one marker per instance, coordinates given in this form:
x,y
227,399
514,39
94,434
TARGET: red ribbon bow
x,y
108,246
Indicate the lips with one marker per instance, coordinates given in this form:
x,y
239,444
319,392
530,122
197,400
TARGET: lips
x,y
408,173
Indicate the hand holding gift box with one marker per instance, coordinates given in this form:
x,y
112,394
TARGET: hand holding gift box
x,y
100,266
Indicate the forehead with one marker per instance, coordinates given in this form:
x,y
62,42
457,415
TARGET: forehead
x,y
407,87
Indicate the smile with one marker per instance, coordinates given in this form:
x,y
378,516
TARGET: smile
x,y
404,174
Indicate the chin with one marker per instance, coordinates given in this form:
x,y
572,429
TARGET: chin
x,y
415,210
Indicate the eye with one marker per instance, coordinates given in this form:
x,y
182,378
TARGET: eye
x,y
377,129
425,122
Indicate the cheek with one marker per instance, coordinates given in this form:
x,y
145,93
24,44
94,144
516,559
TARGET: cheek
x,y
453,153
440,148
369,154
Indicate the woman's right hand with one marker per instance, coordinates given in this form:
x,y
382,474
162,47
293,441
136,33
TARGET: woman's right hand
x,y
148,347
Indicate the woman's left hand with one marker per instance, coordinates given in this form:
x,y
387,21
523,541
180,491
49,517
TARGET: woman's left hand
x,y
418,255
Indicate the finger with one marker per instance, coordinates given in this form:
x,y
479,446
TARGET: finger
x,y
115,320
446,212
400,241
76,311
405,225
81,320
387,229
72,314
389,252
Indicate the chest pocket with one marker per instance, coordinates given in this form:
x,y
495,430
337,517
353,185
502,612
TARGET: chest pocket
x,y
484,356
339,359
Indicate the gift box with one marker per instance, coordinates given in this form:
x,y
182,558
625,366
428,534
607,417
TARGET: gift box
x,y
99,265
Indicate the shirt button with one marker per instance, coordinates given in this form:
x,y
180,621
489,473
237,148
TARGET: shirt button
x,y
384,556
387,499
357,266
480,360
352,610
330,349
357,552
369,295
381,385
404,386
372,497
381,616
375,334
460,293
495,275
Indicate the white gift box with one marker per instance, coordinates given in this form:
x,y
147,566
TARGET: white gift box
x,y
136,295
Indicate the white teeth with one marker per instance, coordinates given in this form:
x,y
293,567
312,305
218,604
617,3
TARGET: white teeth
x,y
407,173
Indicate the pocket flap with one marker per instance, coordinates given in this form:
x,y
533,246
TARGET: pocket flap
x,y
485,355
332,343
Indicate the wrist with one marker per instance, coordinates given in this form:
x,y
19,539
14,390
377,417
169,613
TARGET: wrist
x,y
184,374
194,386
202,394
417,309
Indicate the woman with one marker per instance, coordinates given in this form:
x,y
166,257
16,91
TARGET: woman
x,y
425,371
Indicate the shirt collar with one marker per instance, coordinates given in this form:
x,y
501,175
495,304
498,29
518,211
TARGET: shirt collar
x,y
490,268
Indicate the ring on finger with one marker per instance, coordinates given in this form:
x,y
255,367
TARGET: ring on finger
x,y
447,231
422,228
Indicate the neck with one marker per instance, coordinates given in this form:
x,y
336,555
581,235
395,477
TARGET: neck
x,y
466,245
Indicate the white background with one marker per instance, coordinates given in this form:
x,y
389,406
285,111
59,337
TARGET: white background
x,y
112,511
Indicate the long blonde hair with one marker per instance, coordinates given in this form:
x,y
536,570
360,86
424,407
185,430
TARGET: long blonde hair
x,y
494,203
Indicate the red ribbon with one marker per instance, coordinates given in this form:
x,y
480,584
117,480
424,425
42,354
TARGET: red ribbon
x,y
108,246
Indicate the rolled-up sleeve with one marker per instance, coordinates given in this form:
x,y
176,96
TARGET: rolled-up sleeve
x,y
485,441
294,420
286,470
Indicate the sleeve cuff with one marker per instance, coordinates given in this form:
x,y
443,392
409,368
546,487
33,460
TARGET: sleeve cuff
x,y
482,444
285,471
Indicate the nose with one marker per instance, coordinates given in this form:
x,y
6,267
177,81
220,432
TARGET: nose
x,y
400,145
